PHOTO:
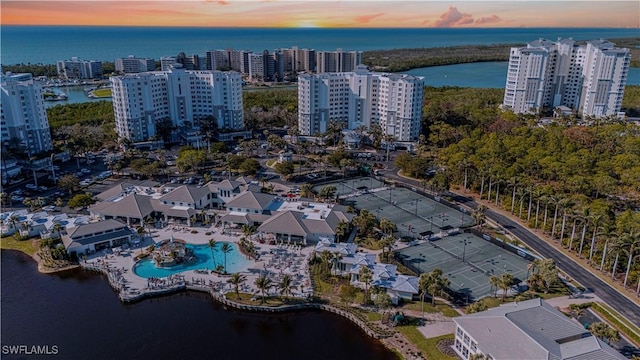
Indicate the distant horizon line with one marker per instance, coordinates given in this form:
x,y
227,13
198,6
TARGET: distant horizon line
x,y
322,27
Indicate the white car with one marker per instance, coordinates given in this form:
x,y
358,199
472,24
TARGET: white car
x,y
85,171
31,186
49,208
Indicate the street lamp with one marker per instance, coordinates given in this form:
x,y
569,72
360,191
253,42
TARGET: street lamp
x,y
464,249
53,170
390,188
417,200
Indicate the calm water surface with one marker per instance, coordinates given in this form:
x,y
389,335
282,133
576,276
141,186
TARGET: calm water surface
x,y
80,314
48,44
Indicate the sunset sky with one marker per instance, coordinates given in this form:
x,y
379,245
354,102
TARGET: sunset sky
x,y
325,13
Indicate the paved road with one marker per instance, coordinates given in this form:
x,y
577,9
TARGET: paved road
x,y
608,294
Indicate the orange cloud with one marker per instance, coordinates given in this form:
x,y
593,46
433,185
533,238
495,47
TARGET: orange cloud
x,y
363,19
487,20
453,17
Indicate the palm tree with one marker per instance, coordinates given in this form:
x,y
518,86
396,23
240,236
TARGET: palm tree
x,y
513,182
335,259
365,275
604,332
595,219
247,230
438,284
226,248
149,221
423,285
263,283
56,229
494,281
564,203
286,286
307,191
479,215
632,240
325,256
387,226
585,216
617,246
236,279
505,284
212,247
609,234
535,282
342,230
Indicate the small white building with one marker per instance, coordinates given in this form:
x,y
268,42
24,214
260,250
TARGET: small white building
x,y
88,238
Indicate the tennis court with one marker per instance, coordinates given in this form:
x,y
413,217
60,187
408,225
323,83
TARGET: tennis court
x,y
414,215
466,260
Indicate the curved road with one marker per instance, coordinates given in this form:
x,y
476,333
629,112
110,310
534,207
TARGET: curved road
x,y
608,294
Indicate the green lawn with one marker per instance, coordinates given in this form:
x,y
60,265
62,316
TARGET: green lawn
x,y
102,92
441,307
428,347
29,246
622,319
374,316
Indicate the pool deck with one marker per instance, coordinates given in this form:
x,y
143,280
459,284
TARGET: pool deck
x,y
274,260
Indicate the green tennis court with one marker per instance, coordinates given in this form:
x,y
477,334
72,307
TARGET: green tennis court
x,y
471,276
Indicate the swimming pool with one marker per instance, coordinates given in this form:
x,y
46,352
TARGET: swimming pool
x,y
236,262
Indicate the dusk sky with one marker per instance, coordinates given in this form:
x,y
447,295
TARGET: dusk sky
x,y
325,13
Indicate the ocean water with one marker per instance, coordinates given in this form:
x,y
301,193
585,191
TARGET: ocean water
x,y
48,44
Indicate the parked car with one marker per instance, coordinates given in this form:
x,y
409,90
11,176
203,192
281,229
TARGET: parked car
x,y
31,186
85,171
49,208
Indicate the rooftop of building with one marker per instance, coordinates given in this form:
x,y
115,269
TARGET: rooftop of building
x,y
534,330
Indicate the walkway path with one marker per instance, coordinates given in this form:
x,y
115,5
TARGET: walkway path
x,y
549,249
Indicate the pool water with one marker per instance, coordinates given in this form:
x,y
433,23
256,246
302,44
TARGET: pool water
x,y
236,262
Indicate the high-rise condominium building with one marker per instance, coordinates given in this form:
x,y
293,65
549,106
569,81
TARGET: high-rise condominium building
x,y
236,60
296,60
589,79
167,62
23,114
361,98
79,69
133,65
184,97
337,61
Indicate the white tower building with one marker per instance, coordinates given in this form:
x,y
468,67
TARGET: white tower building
x,y
181,96
589,79
361,98
23,113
